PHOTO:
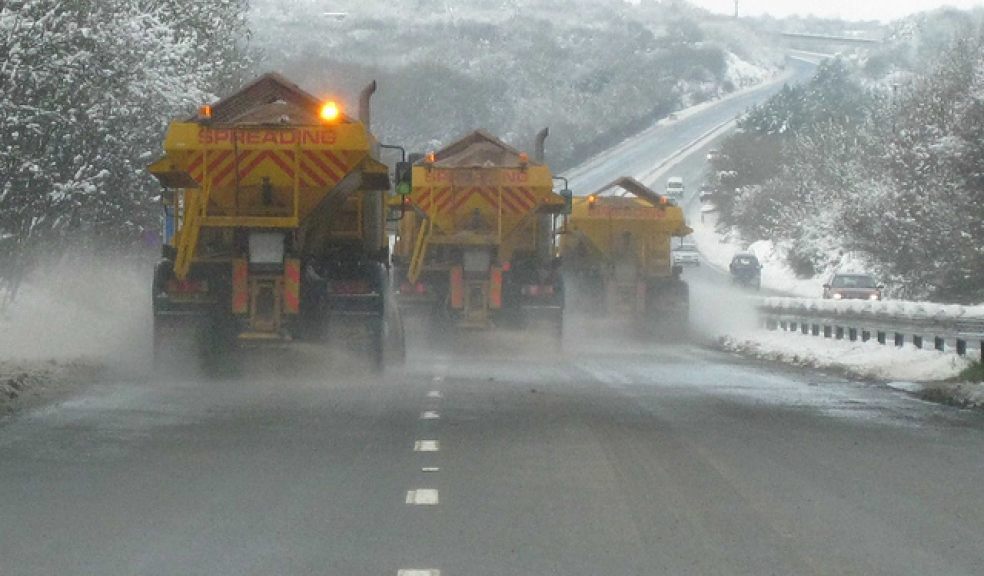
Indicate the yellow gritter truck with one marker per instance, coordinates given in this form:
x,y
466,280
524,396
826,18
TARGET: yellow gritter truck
x,y
476,243
616,252
274,220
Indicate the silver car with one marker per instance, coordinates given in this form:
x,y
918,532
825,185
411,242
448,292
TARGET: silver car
x,y
686,255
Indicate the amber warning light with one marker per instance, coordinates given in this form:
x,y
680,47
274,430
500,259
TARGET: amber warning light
x,y
330,111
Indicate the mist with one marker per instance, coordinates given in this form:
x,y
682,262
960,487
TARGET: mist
x,y
93,309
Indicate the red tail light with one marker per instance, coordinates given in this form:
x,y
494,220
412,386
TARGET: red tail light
x,y
408,288
538,290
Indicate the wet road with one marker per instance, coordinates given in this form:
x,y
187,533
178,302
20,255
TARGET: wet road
x,y
616,458
640,154
496,455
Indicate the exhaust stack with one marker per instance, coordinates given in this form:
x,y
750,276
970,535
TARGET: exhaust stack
x,y
539,146
365,107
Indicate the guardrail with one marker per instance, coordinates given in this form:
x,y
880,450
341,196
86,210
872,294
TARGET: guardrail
x,y
943,327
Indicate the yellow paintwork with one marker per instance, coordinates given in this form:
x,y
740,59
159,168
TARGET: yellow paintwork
x,y
256,176
490,206
596,233
420,250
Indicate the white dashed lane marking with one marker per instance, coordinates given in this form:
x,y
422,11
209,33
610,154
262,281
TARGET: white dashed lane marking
x,y
423,497
426,446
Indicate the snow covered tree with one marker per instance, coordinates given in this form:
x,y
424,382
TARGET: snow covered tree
x,y
889,173
87,90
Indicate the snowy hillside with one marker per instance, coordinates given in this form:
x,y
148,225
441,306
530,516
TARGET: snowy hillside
x,y
874,164
594,71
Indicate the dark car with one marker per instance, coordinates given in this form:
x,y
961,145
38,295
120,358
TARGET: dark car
x,y
746,270
706,194
852,287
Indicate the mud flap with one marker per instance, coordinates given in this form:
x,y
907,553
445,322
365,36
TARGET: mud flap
x,y
669,310
190,340
546,320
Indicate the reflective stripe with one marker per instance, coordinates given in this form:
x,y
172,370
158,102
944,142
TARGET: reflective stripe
x,y
457,288
292,286
240,287
495,288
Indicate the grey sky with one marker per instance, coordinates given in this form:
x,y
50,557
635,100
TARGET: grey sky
x,y
849,9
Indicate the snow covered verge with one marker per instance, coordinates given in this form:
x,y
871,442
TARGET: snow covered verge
x,y
864,359
881,309
27,383
962,394
918,371
777,276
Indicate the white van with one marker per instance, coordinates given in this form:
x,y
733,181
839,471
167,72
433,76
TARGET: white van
x,y
674,189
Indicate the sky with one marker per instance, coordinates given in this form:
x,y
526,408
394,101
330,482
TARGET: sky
x,y
847,9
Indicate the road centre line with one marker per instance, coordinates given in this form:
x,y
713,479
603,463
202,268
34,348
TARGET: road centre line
x,y
426,446
430,469
429,415
423,497
417,572
435,394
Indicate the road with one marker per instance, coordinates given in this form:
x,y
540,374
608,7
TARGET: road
x,y
640,154
620,458
490,455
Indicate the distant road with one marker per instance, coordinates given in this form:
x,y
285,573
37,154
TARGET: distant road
x,y
680,147
641,153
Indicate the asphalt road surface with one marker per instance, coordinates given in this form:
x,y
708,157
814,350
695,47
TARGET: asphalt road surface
x,y
640,154
494,454
619,457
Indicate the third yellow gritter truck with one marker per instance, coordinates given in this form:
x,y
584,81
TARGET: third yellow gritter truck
x,y
616,252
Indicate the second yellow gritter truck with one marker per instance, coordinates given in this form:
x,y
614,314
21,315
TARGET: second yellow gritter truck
x,y
476,243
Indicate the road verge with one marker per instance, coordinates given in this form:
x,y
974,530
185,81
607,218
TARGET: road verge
x,y
25,384
927,374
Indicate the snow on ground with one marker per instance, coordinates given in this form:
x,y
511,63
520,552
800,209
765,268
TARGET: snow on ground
x,y
964,394
69,326
26,383
776,274
883,309
650,176
742,73
864,359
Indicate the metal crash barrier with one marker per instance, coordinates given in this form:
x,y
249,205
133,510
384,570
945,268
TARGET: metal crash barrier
x,y
924,325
